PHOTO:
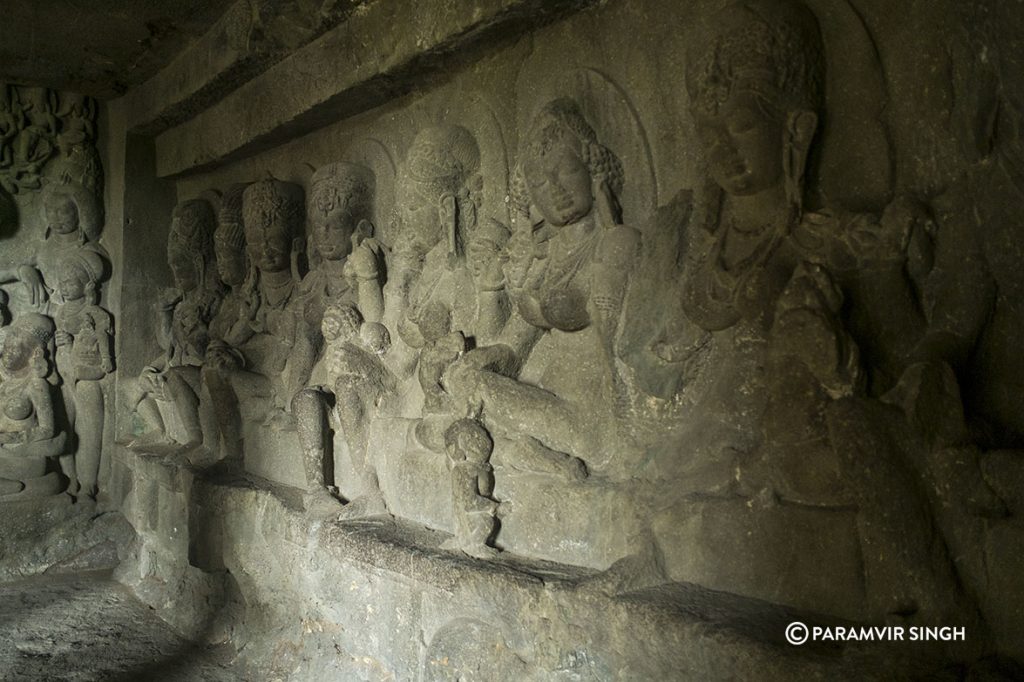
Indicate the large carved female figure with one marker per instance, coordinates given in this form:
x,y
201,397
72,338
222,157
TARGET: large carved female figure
x,y
815,307
570,259
84,339
168,389
29,436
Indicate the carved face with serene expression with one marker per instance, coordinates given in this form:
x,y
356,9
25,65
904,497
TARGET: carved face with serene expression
x,y
73,281
230,262
61,214
560,185
332,230
743,144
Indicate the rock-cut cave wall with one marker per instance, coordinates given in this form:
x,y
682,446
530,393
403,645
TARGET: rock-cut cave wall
x,y
520,340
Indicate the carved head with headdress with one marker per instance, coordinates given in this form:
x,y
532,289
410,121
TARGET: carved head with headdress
x,y
190,243
229,238
440,187
756,92
25,346
340,323
70,208
561,165
81,271
273,212
342,203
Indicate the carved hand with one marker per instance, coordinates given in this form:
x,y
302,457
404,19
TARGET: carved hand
x,y
30,277
62,338
363,263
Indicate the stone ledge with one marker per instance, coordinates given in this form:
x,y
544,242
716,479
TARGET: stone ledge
x,y
312,597
238,47
379,53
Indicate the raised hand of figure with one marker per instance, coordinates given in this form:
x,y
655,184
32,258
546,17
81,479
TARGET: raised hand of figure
x,y
62,338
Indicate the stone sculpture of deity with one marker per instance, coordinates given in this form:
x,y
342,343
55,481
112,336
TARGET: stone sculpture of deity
x,y
84,339
280,347
347,270
165,396
29,436
569,264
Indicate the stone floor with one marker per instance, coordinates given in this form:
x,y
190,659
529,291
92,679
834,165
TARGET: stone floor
x,y
86,628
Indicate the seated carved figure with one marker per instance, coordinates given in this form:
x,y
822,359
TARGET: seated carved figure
x,y
567,271
165,396
278,346
30,442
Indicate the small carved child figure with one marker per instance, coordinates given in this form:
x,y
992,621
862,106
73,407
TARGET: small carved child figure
x,y
441,348
356,375
469,449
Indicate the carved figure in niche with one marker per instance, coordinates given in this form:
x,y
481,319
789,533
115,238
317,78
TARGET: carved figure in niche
x,y
753,108
29,438
165,396
229,328
347,271
83,338
763,272
468,446
72,223
569,263
352,371
35,143
446,257
280,346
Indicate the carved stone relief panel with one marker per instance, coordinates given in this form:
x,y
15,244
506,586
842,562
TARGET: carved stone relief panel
x,y
58,349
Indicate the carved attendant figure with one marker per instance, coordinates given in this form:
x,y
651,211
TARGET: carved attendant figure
x,y
279,348
186,310
469,446
84,337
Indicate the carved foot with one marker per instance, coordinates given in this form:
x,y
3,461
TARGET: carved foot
x,y
365,506
321,503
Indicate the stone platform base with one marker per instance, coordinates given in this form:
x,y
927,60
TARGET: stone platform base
x,y
230,558
55,535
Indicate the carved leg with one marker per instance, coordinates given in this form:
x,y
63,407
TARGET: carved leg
x,y
351,413
226,411
186,404
509,403
311,422
89,428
